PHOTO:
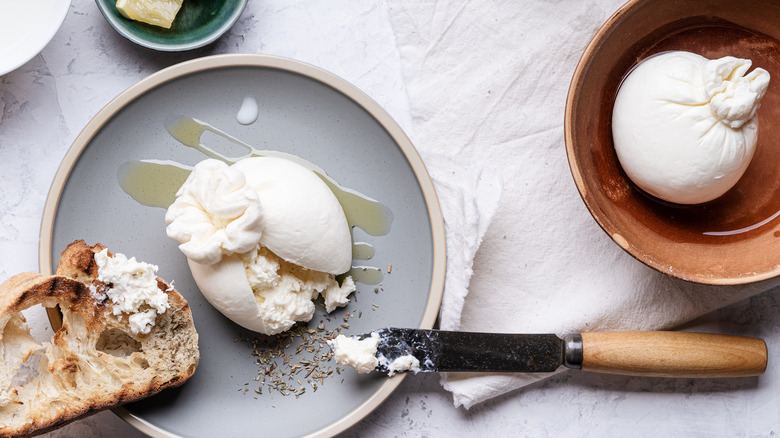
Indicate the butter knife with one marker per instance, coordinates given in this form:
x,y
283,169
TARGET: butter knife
x,y
653,353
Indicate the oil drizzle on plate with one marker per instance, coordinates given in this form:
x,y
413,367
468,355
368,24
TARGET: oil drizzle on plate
x,y
154,183
366,274
362,251
363,212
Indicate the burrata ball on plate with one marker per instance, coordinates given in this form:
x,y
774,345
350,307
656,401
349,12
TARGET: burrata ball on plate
x,y
264,237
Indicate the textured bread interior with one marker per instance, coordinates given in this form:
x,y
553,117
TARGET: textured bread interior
x,y
93,361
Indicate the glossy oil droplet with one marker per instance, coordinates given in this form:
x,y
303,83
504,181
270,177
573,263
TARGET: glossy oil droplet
x,y
744,229
362,251
366,274
248,112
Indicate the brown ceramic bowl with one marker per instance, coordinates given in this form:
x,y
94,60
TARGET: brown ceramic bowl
x,y
734,239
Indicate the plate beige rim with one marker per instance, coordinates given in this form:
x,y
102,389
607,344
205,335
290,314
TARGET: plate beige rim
x,y
292,66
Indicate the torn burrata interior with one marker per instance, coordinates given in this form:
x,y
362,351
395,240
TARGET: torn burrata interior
x,y
263,238
685,127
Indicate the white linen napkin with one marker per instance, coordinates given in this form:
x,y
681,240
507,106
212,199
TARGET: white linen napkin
x,y
487,83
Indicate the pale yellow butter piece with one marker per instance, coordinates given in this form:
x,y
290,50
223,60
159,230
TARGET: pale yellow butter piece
x,y
155,12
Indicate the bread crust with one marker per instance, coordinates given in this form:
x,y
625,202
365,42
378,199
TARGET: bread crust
x,y
94,361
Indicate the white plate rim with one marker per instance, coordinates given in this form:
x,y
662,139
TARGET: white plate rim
x,y
274,62
45,31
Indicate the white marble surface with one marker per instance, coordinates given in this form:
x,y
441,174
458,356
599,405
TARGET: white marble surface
x,y
45,103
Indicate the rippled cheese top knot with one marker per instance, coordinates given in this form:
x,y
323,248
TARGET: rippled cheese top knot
x,y
215,213
263,238
685,127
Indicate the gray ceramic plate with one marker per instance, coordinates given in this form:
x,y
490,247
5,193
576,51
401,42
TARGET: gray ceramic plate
x,y
301,110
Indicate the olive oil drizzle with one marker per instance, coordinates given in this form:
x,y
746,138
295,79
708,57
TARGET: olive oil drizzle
x,y
154,183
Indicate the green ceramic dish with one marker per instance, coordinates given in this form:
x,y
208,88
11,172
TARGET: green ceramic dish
x,y
198,23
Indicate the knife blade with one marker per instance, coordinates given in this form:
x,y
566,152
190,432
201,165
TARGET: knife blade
x,y
657,354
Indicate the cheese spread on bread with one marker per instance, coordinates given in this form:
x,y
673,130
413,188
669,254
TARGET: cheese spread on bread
x,y
132,289
95,360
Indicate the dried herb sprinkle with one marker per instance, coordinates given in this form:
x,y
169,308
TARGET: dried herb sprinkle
x,y
310,364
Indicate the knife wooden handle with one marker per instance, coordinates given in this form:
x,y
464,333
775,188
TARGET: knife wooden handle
x,y
673,354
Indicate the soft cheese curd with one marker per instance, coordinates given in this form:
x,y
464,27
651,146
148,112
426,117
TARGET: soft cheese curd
x,y
363,356
265,293
133,290
263,237
685,127
359,354
401,364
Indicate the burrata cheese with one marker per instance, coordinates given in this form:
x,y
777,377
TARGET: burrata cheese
x,y
685,127
263,238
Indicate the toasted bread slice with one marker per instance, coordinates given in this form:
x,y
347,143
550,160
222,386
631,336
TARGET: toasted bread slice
x,y
94,361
